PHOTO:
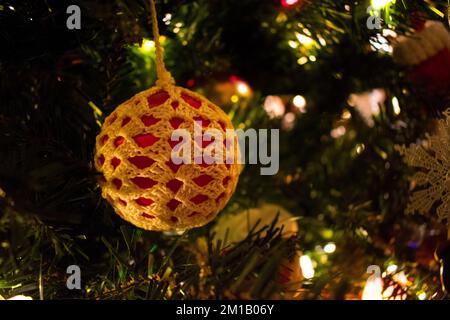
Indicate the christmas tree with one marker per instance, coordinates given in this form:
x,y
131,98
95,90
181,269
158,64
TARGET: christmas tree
x,y
355,208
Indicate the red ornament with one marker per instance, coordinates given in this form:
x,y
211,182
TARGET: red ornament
x,y
433,75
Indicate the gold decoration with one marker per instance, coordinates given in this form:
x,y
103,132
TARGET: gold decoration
x,y
134,147
235,228
432,158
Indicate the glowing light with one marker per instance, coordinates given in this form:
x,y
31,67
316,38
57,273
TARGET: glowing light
x,y
373,290
389,33
329,247
422,296
360,148
307,32
293,44
234,98
167,18
304,40
380,41
300,103
346,115
378,4
12,8
396,106
274,106
243,88
312,58
388,293
327,233
392,268
147,45
302,60
20,297
307,267
288,121
322,40
401,279
338,132
368,104
289,3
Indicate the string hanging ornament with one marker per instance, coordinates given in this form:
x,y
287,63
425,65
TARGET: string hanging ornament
x,y
134,148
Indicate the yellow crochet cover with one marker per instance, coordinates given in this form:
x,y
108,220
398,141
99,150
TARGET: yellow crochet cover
x,y
133,151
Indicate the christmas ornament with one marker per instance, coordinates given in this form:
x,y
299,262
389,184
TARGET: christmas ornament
x,y
433,162
428,51
235,228
134,153
290,277
432,157
231,229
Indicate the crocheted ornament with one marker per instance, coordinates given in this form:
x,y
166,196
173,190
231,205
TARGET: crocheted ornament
x,y
133,152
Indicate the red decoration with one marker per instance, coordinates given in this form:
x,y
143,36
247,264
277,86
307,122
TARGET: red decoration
x,y
433,75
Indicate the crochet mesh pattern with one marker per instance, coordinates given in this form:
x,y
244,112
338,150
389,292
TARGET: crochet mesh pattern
x,y
133,152
432,159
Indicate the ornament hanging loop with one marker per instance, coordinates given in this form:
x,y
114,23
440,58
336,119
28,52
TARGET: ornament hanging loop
x,y
165,79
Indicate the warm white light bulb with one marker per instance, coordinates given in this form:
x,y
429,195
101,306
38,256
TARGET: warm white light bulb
x,y
243,88
378,4
299,102
373,290
396,105
274,106
392,268
147,45
307,267
329,247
